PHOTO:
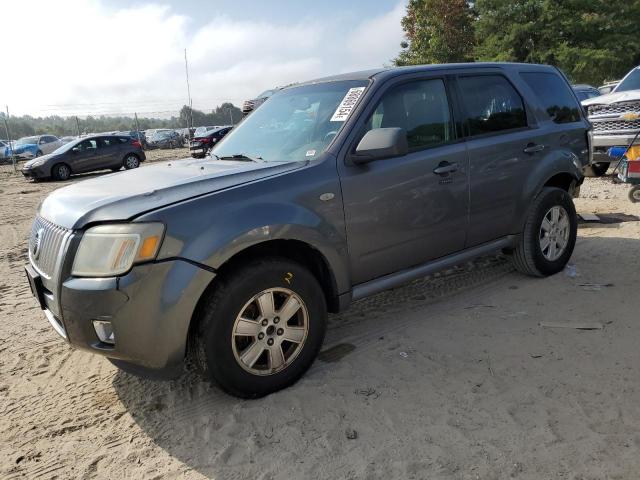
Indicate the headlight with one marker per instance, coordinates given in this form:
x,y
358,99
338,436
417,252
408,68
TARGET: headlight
x,y
109,250
36,163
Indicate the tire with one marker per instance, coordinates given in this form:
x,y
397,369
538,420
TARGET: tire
x,y
61,172
534,254
596,169
226,358
131,161
634,194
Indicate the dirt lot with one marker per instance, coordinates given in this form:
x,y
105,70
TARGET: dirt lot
x,y
451,377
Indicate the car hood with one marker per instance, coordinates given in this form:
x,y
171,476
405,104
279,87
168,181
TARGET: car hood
x,y
124,195
608,99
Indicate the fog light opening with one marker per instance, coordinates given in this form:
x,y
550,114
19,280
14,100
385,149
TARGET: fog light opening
x,y
104,330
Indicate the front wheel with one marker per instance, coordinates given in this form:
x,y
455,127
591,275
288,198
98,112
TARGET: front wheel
x,y
61,172
131,161
261,327
38,153
634,194
549,235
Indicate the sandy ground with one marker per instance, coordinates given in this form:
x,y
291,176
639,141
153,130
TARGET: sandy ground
x,y
450,377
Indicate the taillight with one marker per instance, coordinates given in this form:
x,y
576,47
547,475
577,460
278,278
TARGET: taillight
x,y
204,140
136,143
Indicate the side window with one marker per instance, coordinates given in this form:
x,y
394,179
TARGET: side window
x,y
491,104
86,146
108,142
421,108
554,95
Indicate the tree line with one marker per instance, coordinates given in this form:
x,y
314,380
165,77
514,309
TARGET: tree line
x,y
590,40
24,126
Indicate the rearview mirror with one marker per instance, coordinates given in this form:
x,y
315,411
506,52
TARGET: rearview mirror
x,y
381,143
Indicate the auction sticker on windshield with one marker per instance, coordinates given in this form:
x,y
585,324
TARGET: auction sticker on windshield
x,y
346,105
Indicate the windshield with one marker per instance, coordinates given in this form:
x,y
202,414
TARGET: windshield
x,y
68,146
295,124
27,140
630,82
202,130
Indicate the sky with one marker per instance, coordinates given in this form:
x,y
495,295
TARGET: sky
x,y
80,57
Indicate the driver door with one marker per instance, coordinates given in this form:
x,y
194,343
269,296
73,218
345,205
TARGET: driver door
x,y
399,211
83,155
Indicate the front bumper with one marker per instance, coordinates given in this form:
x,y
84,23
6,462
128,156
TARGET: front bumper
x,y
150,310
35,172
602,143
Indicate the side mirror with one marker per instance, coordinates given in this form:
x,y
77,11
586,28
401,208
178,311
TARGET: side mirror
x,y
381,143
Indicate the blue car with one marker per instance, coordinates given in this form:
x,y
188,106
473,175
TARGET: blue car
x,y
31,147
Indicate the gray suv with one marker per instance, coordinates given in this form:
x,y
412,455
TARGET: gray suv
x,y
331,191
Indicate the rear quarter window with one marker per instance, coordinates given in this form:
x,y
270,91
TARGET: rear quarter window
x,y
492,104
555,96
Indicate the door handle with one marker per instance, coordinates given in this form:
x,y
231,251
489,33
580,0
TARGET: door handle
x,y
533,148
444,168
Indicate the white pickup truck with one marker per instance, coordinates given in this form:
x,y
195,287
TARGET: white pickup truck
x,y
616,120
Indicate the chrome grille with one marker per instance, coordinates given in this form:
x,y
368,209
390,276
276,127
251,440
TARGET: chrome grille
x,y
615,108
50,238
616,126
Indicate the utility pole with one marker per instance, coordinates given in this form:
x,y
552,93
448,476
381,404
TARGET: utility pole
x,y
231,116
186,69
137,128
78,126
6,127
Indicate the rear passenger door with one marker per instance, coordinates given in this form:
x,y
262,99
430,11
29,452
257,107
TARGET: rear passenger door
x,y
109,153
503,147
403,211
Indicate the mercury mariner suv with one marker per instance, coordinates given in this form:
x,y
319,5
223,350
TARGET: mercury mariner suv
x,y
331,191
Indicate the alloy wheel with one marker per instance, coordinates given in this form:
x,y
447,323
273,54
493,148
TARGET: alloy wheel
x,y
554,233
270,331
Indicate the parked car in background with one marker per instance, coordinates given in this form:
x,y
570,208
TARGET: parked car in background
x,y
5,151
200,145
608,87
68,139
136,135
202,130
584,92
250,105
35,146
164,139
616,120
86,154
332,191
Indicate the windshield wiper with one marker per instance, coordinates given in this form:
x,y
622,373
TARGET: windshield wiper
x,y
241,157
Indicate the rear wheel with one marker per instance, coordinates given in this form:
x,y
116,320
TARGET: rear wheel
x,y
131,161
260,328
634,194
61,171
596,169
549,236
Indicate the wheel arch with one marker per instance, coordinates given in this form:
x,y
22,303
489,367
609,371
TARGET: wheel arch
x,y
294,250
60,163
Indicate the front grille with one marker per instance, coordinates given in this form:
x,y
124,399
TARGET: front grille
x,y
45,242
616,108
616,126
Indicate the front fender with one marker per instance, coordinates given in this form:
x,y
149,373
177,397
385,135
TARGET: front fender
x,y
211,230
